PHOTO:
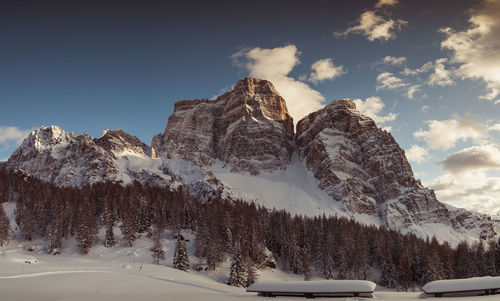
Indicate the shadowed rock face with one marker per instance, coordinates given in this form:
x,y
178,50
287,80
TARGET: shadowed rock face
x,y
248,128
363,167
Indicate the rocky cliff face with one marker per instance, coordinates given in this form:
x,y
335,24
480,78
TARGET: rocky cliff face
x,y
363,167
54,155
248,128
242,146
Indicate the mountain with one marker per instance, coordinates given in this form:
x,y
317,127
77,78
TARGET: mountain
x,y
242,145
248,129
65,159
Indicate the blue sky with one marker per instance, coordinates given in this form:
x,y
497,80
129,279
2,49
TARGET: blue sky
x,y
428,71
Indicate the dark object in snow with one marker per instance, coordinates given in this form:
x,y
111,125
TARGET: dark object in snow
x,y
463,287
179,236
312,289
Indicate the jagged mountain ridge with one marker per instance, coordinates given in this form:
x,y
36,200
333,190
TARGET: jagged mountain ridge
x,y
248,134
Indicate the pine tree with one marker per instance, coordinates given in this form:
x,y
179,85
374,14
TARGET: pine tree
x,y
306,267
433,268
109,223
238,273
55,240
388,274
128,228
4,227
85,235
404,274
251,274
491,269
181,258
157,251
462,261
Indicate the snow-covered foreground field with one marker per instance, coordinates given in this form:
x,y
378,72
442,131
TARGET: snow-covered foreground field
x,y
34,276
123,273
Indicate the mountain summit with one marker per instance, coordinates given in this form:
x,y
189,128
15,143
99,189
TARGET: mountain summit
x,y
242,145
248,128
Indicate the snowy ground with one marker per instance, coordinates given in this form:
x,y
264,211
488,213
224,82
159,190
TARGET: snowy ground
x,y
126,274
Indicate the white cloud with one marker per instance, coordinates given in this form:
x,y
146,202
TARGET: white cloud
x,y
476,49
275,65
416,154
443,134
374,27
424,69
425,108
473,158
12,135
392,60
474,190
372,107
466,181
387,80
381,3
440,77
325,70
412,90
495,127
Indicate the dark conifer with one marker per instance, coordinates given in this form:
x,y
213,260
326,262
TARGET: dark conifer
x,y
157,250
181,257
4,227
238,273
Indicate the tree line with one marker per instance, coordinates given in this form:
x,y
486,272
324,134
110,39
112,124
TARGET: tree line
x,y
252,236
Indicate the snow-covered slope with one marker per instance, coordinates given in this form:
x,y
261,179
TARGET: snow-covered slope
x,y
242,146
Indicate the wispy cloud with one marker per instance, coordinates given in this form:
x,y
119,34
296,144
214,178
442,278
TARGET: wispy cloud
x,y
324,70
416,154
392,60
374,27
444,134
372,107
12,135
440,76
389,81
475,50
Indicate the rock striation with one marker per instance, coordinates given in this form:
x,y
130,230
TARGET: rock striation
x,y
248,128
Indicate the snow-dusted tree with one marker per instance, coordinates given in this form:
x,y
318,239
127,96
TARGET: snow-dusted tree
x,y
54,245
128,228
87,228
143,217
462,261
238,273
157,250
403,273
214,251
490,258
109,223
25,216
306,267
343,265
4,227
181,257
251,274
479,259
388,275
432,269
